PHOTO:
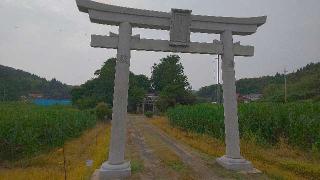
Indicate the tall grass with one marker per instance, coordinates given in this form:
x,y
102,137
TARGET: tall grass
x,y
26,129
267,123
278,162
91,145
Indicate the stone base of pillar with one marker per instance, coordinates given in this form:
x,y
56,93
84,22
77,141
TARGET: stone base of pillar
x,y
109,171
235,164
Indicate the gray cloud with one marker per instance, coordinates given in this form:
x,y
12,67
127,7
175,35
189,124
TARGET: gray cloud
x,y
51,38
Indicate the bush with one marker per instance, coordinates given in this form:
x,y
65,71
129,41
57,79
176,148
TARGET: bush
x,y
299,123
103,112
149,114
85,103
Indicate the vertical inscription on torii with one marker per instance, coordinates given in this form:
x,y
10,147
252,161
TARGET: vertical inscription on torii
x,y
180,27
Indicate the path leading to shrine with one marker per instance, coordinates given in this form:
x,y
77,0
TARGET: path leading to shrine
x,y
162,157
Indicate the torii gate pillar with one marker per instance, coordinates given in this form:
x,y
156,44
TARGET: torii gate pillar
x,y
116,166
232,160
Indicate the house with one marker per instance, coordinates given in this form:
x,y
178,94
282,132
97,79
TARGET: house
x,y
241,98
253,97
35,95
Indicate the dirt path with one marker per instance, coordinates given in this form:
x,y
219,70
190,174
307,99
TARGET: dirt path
x,y
155,155
153,145
200,168
153,166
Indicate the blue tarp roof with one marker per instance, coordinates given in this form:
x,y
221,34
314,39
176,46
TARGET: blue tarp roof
x,y
50,102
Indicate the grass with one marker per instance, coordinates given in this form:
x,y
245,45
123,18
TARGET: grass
x,y
266,123
92,144
137,166
278,162
27,129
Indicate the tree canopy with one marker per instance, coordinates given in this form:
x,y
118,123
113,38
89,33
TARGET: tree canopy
x,y
100,88
169,81
168,72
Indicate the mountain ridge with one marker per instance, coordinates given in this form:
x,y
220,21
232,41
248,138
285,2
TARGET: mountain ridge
x,y
302,84
16,83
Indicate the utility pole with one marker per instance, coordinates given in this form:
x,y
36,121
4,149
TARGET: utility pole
x,y
218,79
285,85
4,94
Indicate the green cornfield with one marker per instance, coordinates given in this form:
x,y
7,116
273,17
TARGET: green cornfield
x,y
267,123
27,129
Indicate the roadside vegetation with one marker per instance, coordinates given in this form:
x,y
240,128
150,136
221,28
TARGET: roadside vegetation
x,y
67,162
264,123
279,161
27,129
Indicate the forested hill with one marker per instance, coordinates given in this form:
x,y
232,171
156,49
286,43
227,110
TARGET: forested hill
x,y
302,85
16,83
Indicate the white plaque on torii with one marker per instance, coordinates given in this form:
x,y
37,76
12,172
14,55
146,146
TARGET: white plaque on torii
x,y
180,23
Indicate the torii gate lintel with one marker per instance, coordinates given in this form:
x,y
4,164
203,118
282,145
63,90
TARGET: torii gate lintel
x,y
180,23
216,47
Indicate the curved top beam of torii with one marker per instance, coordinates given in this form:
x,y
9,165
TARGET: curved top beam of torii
x,y
114,15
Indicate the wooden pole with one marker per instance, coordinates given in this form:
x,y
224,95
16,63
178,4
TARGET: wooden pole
x,y
285,85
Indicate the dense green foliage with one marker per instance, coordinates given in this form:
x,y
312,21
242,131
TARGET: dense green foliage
x,y
209,93
168,71
267,123
103,112
139,85
304,84
27,129
100,88
148,114
16,83
168,80
257,85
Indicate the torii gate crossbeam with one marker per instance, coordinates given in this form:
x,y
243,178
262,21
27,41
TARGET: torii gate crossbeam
x,y
180,23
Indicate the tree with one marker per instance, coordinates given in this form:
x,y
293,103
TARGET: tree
x,y
304,84
168,71
139,86
209,93
168,80
100,88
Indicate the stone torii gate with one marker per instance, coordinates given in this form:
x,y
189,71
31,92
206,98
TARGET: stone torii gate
x,y
180,23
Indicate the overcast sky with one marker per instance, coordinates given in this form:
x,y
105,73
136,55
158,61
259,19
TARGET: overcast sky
x,y
51,38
